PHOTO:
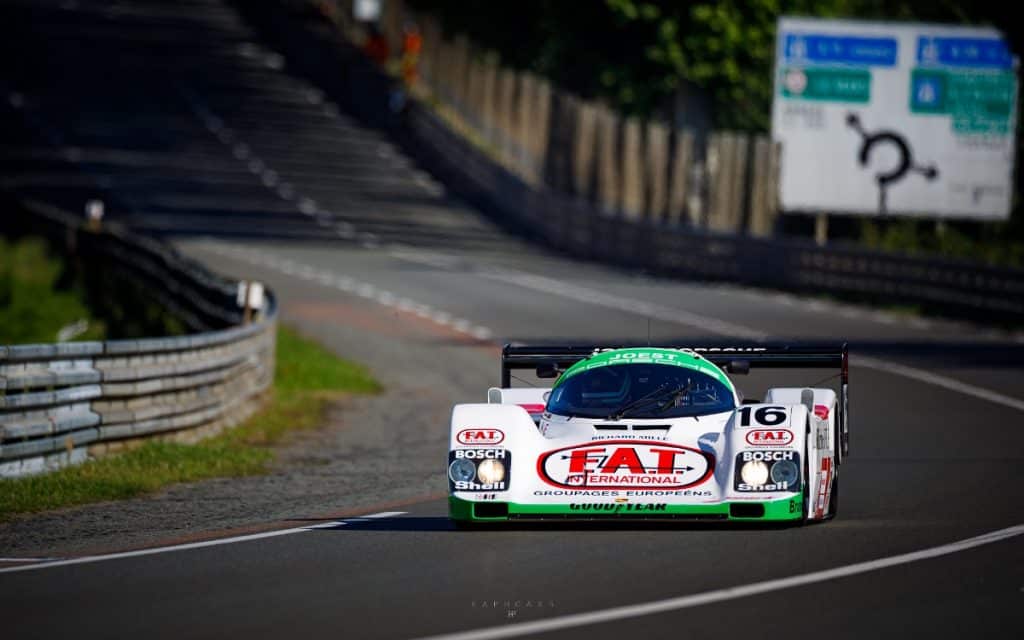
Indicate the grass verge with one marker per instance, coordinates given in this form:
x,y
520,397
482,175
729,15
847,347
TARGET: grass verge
x,y
37,300
307,379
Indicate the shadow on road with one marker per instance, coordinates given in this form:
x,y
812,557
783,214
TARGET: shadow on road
x,y
442,523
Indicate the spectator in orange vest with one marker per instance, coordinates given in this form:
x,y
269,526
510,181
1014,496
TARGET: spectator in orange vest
x,y
412,42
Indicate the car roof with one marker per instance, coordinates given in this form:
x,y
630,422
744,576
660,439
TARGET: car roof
x,y
647,355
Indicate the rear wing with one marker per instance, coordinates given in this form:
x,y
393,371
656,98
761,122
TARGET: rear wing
x,y
729,358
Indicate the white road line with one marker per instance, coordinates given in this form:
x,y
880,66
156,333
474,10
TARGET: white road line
x,y
366,290
424,311
627,305
919,323
481,333
441,318
720,595
26,559
362,289
191,545
938,380
883,318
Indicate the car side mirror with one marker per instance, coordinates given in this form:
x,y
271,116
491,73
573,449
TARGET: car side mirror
x,y
547,370
739,367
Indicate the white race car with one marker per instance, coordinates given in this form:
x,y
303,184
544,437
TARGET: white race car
x,y
650,433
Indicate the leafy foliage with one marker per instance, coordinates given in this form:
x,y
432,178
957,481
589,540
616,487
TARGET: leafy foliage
x,y
638,53
35,300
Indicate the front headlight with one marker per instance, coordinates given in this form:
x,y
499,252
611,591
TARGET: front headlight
x,y
754,472
785,471
461,470
491,471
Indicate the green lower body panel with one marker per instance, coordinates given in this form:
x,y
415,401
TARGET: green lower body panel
x,y
774,510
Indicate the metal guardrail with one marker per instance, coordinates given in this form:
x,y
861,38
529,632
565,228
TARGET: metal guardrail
x,y
63,403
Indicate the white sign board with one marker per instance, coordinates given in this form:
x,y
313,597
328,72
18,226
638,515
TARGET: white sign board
x,y
894,118
366,10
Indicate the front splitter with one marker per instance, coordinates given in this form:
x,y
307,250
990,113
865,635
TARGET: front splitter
x,y
785,509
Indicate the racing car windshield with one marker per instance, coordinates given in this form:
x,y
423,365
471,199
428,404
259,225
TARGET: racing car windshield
x,y
645,390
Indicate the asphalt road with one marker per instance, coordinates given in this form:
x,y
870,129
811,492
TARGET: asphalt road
x,y
371,256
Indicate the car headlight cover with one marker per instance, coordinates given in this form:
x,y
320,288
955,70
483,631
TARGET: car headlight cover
x,y
461,470
785,471
491,471
754,472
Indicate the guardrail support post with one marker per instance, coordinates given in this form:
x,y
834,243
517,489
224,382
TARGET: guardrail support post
x,y
821,229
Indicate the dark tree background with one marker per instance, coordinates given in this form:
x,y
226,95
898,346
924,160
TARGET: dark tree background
x,y
637,54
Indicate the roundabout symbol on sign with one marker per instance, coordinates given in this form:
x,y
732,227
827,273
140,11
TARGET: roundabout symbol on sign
x,y
903,167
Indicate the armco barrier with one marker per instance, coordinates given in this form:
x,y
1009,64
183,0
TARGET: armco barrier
x,y
63,403
582,229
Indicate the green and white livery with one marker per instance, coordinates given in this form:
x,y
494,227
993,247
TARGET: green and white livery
x,y
650,433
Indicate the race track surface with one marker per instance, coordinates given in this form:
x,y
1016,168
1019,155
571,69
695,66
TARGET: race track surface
x,y
255,173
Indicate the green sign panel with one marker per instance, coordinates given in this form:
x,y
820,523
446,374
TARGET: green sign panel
x,y
822,83
978,101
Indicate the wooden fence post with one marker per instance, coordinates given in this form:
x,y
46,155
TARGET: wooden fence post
x,y
541,125
459,75
632,170
524,124
656,171
584,150
607,158
430,60
679,189
489,98
506,114
558,160
740,185
760,189
717,167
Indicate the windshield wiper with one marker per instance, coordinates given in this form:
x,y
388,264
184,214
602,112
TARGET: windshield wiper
x,y
674,398
650,397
